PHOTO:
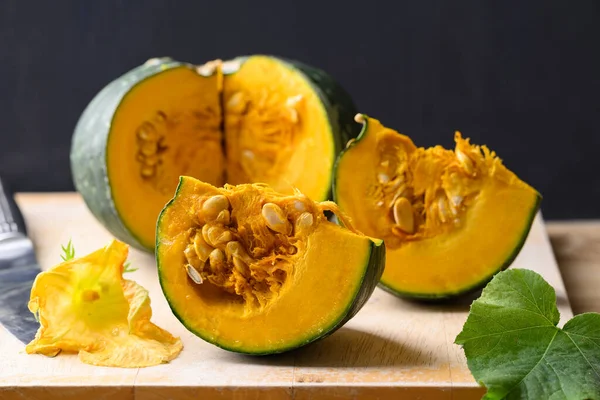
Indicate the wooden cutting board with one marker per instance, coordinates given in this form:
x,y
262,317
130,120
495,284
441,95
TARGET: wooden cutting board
x,y
391,349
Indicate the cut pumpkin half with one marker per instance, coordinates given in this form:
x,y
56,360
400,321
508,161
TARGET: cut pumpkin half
x,y
255,271
251,119
450,219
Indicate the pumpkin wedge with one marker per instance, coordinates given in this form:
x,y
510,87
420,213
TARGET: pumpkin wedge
x,y
255,271
250,119
450,219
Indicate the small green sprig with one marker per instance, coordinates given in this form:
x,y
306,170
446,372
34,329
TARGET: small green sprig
x,y
68,251
127,268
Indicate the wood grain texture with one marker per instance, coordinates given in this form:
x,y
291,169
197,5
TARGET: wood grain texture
x,y
577,248
391,348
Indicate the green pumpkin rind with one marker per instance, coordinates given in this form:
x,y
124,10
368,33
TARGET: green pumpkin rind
x,y
373,270
90,139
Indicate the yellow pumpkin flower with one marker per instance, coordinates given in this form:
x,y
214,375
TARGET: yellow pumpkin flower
x,y
84,305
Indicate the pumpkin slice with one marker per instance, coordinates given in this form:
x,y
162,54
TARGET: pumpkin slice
x,y
252,119
255,271
449,219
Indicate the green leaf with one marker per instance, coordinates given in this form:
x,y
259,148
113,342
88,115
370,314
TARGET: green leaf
x,y
515,349
127,268
68,251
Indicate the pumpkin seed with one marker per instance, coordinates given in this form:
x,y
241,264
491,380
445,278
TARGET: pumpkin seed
x,y
224,217
293,114
201,247
442,205
216,257
193,274
275,219
192,257
147,132
241,266
291,104
148,171
214,205
217,235
151,160
149,148
299,206
236,250
237,102
456,200
293,101
208,68
304,221
383,178
161,117
204,231
465,162
403,215
397,183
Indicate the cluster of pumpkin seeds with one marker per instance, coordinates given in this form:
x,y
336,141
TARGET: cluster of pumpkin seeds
x,y
408,211
216,252
267,128
150,140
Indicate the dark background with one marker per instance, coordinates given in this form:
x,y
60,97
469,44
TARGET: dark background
x,y
519,76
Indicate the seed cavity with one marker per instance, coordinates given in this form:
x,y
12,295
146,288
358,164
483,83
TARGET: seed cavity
x,y
275,219
250,260
152,147
268,128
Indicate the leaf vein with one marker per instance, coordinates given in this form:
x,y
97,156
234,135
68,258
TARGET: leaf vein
x,y
583,355
538,363
531,301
